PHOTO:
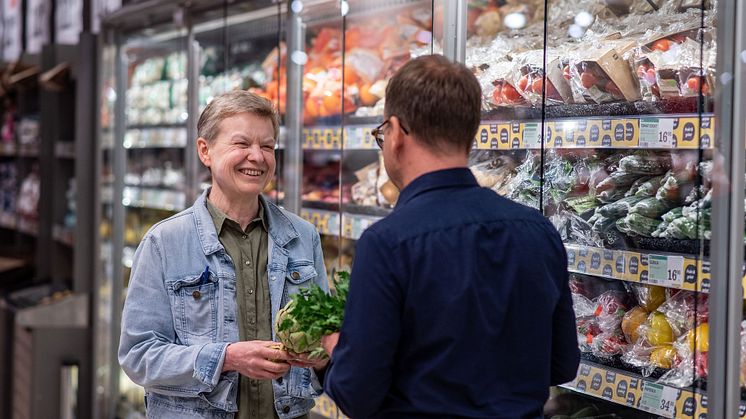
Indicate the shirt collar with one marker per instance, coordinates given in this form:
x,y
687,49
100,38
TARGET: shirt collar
x,y
445,178
219,217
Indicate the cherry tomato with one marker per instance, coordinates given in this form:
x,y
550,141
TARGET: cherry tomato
x,y
661,45
588,79
693,83
510,95
537,85
497,94
566,73
523,83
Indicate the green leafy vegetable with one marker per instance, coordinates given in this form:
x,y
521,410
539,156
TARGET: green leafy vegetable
x,y
311,314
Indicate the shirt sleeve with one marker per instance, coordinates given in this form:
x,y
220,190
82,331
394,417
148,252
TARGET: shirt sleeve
x,y
565,352
147,352
359,374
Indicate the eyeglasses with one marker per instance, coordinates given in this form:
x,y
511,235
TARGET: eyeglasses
x,y
377,133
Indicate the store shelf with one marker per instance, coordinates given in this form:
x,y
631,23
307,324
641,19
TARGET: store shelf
x,y
31,151
65,150
634,132
326,408
632,390
157,126
669,270
153,198
64,235
355,137
107,194
175,137
28,226
7,149
8,220
328,222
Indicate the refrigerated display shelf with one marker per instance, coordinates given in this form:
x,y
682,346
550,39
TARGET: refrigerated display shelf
x,y
633,132
156,138
328,222
681,105
153,198
28,151
29,227
326,408
157,126
65,150
64,235
355,137
7,149
8,220
669,270
629,389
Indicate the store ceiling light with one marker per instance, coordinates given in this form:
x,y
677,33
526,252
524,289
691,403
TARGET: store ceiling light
x,y
299,57
576,31
344,7
515,20
726,78
584,19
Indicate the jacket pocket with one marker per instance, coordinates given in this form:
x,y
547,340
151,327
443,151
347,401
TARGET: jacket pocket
x,y
195,306
300,274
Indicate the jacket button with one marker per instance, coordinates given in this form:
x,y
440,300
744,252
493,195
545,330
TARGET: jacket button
x,y
286,409
196,295
295,275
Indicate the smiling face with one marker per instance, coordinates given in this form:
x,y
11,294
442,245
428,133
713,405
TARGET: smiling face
x,y
241,157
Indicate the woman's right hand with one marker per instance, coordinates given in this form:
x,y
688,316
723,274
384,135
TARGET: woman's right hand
x,y
256,359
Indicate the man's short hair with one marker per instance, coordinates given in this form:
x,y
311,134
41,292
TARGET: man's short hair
x,y
437,101
233,103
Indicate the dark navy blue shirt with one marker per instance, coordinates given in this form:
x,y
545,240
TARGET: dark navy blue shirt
x,y
459,307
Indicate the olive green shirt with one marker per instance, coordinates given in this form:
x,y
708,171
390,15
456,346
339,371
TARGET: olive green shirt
x,y
249,251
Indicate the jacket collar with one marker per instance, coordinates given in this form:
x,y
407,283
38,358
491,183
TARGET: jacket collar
x,y
447,178
281,230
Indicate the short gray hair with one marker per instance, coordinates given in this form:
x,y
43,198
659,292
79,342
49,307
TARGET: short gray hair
x,y
233,103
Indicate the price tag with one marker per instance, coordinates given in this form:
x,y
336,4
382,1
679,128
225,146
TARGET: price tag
x,y
531,135
656,133
658,399
12,27
666,270
68,21
37,28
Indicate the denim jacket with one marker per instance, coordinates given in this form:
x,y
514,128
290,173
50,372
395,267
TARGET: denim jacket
x,y
180,313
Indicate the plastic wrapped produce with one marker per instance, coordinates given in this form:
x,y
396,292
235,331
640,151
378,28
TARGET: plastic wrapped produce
x,y
637,225
645,164
650,207
649,297
619,208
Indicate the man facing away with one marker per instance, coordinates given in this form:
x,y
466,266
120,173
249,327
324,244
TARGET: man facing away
x,y
459,305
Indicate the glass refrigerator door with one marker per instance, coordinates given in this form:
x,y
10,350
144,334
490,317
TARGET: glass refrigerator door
x,y
242,47
323,108
154,146
104,328
600,116
352,49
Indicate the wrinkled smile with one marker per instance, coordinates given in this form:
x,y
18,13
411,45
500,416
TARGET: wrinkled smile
x,y
251,172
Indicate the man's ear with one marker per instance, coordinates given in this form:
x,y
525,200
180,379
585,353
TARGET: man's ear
x,y
203,151
395,135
